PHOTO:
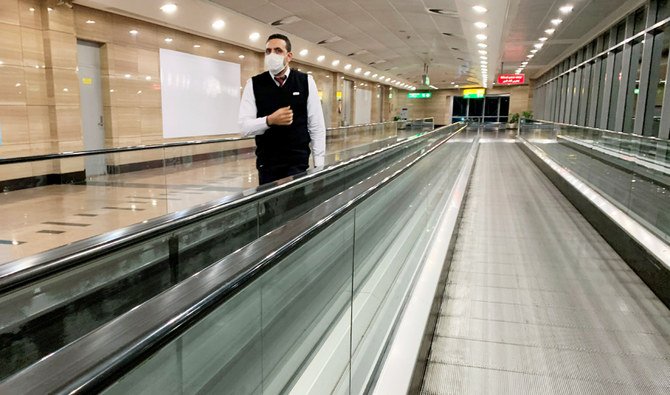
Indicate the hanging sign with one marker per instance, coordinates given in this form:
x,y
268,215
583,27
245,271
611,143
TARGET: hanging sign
x,y
511,79
474,93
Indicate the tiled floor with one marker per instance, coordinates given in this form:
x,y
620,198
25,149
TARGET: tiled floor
x,y
38,219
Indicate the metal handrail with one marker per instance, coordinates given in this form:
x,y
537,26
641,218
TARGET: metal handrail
x,y
637,136
92,362
74,154
21,271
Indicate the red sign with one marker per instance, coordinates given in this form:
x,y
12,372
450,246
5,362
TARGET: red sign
x,y
511,79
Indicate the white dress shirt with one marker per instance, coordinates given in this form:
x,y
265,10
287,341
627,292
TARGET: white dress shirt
x,y
252,126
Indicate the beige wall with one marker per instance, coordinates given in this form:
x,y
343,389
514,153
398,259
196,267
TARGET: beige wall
x,y
39,86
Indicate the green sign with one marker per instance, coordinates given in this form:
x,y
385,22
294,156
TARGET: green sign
x,y
420,95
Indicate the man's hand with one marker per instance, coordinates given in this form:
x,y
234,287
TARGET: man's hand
x,y
281,117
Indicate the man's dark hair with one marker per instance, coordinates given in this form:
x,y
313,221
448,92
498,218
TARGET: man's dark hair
x,y
281,37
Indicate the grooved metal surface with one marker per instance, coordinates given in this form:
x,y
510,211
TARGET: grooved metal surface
x,y
537,301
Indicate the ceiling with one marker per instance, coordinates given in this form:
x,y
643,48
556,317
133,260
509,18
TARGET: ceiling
x,y
395,38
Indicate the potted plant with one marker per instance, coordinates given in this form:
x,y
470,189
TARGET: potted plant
x,y
527,115
513,122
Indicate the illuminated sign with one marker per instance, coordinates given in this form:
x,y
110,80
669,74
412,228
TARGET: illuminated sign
x,y
339,95
511,79
474,93
420,95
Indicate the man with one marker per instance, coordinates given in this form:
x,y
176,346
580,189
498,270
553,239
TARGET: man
x,y
281,108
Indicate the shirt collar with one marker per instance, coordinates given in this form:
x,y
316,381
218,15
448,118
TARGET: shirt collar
x,y
288,71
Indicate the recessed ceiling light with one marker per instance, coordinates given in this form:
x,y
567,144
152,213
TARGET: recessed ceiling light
x,y
221,52
533,51
481,25
358,70
543,39
530,56
388,79
374,75
484,62
218,24
127,75
49,9
196,46
482,45
169,8
483,57
31,9
381,77
168,40
254,36
524,63
556,21
335,63
347,67
566,9
481,37
538,46
479,9
90,21
367,73
241,56
133,32
550,31
483,52
320,58
304,52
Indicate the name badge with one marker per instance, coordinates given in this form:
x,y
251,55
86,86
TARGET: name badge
x,y
296,93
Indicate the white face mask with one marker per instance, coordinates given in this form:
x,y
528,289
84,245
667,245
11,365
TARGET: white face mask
x,y
274,63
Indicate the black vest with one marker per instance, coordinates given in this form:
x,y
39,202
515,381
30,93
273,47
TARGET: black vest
x,y
282,145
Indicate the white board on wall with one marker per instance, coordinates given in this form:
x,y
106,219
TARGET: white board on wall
x,y
363,111
200,96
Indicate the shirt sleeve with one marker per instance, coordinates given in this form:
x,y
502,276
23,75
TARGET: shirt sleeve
x,y
316,124
249,124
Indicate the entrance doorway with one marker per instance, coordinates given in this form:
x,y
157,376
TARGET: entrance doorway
x,y
488,109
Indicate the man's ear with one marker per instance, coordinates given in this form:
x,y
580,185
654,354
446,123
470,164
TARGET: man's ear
x,y
289,57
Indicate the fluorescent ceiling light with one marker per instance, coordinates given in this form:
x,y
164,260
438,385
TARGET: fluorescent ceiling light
x,y
479,9
304,52
556,21
482,45
169,8
550,31
481,37
481,25
218,24
481,51
543,39
320,58
254,36
347,67
335,63
134,32
358,70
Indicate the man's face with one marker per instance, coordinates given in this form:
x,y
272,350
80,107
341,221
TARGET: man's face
x,y
278,46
